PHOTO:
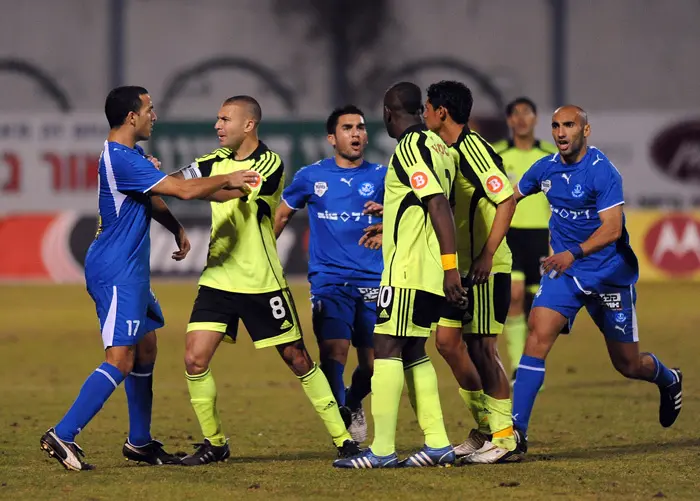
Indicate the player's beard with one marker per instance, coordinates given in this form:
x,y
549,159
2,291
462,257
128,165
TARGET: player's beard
x,y
351,156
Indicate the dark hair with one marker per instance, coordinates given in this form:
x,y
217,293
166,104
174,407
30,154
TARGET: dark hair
x,y
333,118
121,101
253,105
455,97
510,107
406,97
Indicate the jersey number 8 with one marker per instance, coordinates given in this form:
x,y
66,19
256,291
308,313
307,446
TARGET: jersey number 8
x,y
277,305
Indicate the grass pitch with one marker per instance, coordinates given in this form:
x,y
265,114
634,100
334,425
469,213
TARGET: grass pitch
x,y
594,435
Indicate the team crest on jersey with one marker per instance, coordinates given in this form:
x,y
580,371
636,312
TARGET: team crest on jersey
x,y
320,188
545,186
577,192
620,317
366,190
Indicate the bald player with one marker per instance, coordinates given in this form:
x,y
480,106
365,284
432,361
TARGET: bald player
x,y
243,281
593,266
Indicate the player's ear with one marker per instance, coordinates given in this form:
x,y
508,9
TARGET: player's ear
x,y
331,139
586,130
249,125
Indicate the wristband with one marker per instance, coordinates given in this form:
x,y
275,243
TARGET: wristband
x,y
576,251
449,261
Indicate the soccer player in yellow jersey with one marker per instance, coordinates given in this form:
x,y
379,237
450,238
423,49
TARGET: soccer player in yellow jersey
x,y
419,271
484,206
243,280
528,237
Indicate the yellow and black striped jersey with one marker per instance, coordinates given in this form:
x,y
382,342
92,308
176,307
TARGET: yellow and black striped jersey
x,y
532,212
420,167
480,185
243,250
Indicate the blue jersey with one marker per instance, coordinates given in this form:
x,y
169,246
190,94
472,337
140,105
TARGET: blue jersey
x,y
336,197
120,253
577,194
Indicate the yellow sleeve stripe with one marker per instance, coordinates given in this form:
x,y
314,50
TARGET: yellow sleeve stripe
x,y
268,164
479,154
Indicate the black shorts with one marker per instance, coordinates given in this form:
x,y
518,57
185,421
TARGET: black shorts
x,y
529,248
406,312
487,309
270,318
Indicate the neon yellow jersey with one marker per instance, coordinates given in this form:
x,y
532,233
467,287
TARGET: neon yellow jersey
x,y
242,248
420,167
532,212
480,185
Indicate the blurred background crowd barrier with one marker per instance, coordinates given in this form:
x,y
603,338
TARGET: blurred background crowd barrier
x,y
631,63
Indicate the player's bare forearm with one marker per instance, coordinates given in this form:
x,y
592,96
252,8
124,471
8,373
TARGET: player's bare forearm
x,y
282,216
443,223
226,195
501,225
609,231
162,215
517,196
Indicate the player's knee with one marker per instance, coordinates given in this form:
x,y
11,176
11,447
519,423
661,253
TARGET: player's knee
x,y
296,357
629,368
335,349
195,363
447,344
122,358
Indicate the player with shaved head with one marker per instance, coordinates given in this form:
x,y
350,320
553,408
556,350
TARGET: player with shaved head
x,y
593,266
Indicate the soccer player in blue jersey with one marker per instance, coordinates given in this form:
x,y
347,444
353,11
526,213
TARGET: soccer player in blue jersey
x,y
117,275
593,266
344,276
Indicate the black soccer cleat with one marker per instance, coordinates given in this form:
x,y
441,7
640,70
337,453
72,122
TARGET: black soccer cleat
x,y
348,449
207,453
151,453
69,454
671,400
520,441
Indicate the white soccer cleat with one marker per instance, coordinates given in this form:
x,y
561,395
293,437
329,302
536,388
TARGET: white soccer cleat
x,y
472,444
490,453
358,426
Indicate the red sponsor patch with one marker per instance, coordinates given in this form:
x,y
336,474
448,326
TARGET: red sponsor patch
x,y
673,244
419,180
256,183
494,184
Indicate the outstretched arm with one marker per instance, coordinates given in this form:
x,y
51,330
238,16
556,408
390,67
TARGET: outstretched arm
x,y
161,213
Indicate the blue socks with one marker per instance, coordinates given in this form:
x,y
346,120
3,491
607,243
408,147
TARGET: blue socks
x,y
98,387
334,373
139,395
528,381
359,389
663,376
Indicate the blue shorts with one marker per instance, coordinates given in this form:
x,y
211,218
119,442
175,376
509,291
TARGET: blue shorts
x,y
345,312
612,307
126,312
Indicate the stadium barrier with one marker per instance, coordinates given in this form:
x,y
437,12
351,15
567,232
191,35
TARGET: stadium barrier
x,y
51,247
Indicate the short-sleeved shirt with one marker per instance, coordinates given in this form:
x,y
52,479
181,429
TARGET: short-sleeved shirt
x,y
481,184
242,249
420,167
578,193
121,251
336,197
533,212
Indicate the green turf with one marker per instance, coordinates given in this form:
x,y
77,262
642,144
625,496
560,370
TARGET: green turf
x,y
594,435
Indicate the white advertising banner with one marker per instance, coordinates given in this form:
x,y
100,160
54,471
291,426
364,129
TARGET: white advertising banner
x,y
49,162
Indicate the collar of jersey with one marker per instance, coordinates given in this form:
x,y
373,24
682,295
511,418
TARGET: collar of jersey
x,y
537,145
257,152
413,128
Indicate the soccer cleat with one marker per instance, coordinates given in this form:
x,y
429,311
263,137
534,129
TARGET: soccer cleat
x,y
427,456
66,453
520,441
151,453
358,426
490,453
671,400
367,459
348,449
473,443
207,453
